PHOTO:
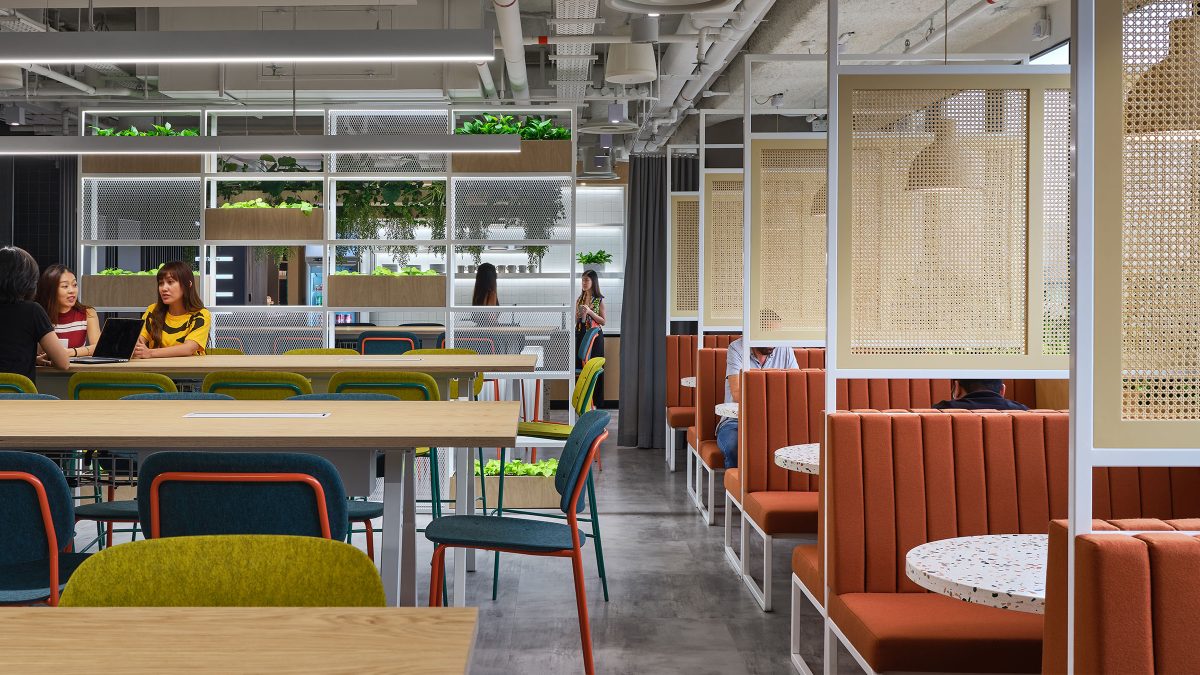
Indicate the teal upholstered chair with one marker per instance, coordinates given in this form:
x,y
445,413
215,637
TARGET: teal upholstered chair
x,y
388,342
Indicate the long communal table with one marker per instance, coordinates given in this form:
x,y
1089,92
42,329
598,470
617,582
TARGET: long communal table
x,y
347,433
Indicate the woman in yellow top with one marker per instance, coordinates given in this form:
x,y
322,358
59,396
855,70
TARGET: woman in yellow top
x,y
178,324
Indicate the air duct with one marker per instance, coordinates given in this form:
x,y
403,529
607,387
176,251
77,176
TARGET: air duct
x,y
508,23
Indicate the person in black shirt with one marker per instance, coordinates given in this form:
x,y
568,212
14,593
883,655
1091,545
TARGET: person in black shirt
x,y
979,395
24,325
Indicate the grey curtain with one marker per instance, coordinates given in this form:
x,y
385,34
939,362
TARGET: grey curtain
x,y
642,422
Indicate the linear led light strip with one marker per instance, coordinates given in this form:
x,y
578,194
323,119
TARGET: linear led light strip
x,y
249,46
195,145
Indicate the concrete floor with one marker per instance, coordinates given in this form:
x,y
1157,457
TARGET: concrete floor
x,y
675,606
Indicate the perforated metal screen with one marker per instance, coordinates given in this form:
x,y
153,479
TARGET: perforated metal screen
x,y
512,208
723,250
388,123
132,209
508,331
685,255
1056,223
271,330
787,280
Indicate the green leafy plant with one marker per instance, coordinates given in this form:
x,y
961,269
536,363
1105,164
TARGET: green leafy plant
x,y
392,210
529,129
381,271
164,129
600,257
259,203
118,272
545,467
275,192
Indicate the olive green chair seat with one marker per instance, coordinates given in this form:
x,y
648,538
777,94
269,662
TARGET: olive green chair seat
x,y
321,351
224,351
256,385
227,571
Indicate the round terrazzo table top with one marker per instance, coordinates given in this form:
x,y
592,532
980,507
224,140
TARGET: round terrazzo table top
x,y
727,409
804,458
999,570
689,382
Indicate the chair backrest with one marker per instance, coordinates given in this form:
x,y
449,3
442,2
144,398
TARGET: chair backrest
x,y
480,344
224,351
113,386
898,480
587,343
321,351
780,410
577,456
460,351
357,396
890,393
1146,492
402,385
227,571
285,343
193,493
256,385
681,363
585,385
12,383
388,342
6,396
23,511
809,357
710,390
720,340
178,396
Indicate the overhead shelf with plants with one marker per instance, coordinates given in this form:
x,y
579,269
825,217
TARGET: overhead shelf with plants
x,y
143,163
545,146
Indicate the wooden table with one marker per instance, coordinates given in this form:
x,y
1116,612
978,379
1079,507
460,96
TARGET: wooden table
x,y
999,570
244,639
349,437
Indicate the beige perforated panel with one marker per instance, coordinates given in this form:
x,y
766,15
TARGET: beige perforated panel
x,y
787,249
723,250
939,223
1056,222
685,256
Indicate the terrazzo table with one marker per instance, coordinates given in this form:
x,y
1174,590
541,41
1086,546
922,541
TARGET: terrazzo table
x,y
999,570
689,382
727,410
804,458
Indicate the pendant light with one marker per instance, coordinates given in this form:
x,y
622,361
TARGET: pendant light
x,y
630,63
1162,100
939,166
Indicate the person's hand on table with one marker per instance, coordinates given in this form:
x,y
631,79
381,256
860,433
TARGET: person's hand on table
x,y
43,360
141,351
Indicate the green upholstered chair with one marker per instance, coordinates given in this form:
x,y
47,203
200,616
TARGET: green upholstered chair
x,y
112,386
224,351
586,344
388,342
528,536
256,385
12,383
227,571
321,351
403,385
34,563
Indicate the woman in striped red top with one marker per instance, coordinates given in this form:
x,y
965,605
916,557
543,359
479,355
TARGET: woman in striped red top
x,y
75,323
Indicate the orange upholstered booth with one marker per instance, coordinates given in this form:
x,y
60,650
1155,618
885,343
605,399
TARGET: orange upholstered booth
x,y
681,406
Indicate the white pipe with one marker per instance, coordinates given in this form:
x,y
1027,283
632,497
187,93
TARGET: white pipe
x,y
59,77
68,92
508,22
486,83
939,32
677,38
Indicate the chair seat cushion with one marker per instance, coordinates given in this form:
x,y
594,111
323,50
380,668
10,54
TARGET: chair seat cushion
x,y
681,417
523,534
30,581
806,564
711,455
692,441
359,510
553,430
733,484
782,512
931,632
125,510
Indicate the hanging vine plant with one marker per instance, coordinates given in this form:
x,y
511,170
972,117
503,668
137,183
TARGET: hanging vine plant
x,y
392,210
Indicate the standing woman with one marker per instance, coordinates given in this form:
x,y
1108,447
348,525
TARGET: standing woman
x,y
75,323
485,295
24,326
178,324
590,313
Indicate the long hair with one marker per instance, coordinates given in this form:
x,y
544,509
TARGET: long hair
x,y
18,275
591,274
157,319
47,292
485,286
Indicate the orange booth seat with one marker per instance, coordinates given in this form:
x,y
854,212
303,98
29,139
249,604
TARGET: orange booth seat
x,y
720,340
681,406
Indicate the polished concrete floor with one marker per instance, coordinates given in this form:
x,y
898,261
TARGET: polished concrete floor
x,y
675,605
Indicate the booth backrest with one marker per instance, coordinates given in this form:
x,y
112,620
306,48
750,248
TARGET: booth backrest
x,y
884,394
1135,599
899,480
810,357
710,390
779,408
719,341
681,363
1146,492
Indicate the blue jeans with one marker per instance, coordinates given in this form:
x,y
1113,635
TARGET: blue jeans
x,y
727,441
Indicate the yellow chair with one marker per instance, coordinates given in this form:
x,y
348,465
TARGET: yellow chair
x,y
224,351
227,571
581,401
403,385
12,383
256,385
321,351
460,351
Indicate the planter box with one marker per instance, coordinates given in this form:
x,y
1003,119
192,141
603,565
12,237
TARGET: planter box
x,y
535,156
364,290
133,290
520,492
152,164
264,225
598,268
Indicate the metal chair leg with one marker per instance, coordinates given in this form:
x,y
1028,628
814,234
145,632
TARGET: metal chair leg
x,y
585,630
595,516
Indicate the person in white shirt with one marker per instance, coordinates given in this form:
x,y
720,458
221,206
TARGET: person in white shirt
x,y
760,358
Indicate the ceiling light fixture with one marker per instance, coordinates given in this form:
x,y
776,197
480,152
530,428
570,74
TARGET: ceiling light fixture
x,y
248,46
277,144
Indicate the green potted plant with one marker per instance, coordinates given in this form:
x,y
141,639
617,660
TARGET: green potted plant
x,y
594,260
526,485
143,163
392,210
410,287
116,287
258,219
545,146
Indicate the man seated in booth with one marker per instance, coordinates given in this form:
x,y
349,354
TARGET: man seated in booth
x,y
978,395
760,358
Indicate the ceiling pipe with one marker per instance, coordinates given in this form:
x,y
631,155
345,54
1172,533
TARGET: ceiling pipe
x,y
508,22
486,83
59,77
940,32
677,38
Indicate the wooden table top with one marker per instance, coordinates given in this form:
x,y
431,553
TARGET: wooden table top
x,y
350,424
432,364
244,639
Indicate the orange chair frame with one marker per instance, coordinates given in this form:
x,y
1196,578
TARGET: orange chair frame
x,y
362,345
203,477
47,524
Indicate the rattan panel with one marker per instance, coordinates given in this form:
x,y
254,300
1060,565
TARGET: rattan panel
x,y
787,282
685,256
1056,222
939,223
723,250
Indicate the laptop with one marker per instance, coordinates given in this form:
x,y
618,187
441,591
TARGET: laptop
x,y
117,341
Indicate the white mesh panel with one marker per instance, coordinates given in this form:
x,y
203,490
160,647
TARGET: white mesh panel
x,y
141,209
390,123
271,330
519,208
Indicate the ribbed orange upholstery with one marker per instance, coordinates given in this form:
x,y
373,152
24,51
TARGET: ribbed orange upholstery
x,y
1136,600
1022,391
886,394
719,340
681,363
1159,492
809,357
779,408
806,564
733,483
710,390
